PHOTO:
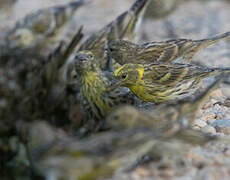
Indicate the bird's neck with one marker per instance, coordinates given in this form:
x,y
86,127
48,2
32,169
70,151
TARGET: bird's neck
x,y
93,82
94,87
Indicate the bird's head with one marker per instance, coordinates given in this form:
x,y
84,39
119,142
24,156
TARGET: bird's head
x,y
85,61
121,50
21,38
129,74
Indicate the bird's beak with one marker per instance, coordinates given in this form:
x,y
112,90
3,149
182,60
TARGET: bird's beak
x,y
115,84
109,60
81,59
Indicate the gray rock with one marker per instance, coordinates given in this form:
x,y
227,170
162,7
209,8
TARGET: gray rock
x,y
208,129
222,126
221,123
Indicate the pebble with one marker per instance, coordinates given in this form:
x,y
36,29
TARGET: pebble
x,y
209,116
222,126
217,94
212,173
225,89
193,156
207,105
143,172
211,121
200,123
227,152
168,173
208,129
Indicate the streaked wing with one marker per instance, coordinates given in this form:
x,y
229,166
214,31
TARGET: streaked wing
x,y
171,74
161,51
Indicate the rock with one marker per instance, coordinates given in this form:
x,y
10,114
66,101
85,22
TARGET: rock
x,y
217,94
225,89
207,105
227,152
143,172
221,123
196,128
222,126
167,173
218,134
194,156
212,173
211,121
219,116
209,116
200,123
208,129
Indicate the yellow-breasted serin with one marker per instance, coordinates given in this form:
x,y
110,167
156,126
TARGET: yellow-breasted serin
x,y
160,82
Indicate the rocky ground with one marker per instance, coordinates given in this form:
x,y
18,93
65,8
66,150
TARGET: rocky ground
x,y
192,19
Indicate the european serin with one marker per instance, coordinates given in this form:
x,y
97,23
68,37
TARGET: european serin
x,y
41,27
96,94
160,82
124,26
166,51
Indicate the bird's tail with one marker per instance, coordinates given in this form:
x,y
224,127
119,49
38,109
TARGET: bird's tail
x,y
203,43
195,46
65,12
138,6
199,99
220,71
213,40
128,22
194,137
76,4
190,106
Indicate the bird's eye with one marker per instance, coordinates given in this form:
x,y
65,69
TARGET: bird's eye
x,y
123,76
90,56
18,36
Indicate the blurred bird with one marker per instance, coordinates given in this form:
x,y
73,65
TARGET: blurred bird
x,y
98,156
6,7
160,8
124,26
166,51
41,27
61,156
6,3
97,95
162,82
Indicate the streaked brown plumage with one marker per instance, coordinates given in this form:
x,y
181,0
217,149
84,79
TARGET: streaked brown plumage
x,y
166,51
161,82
